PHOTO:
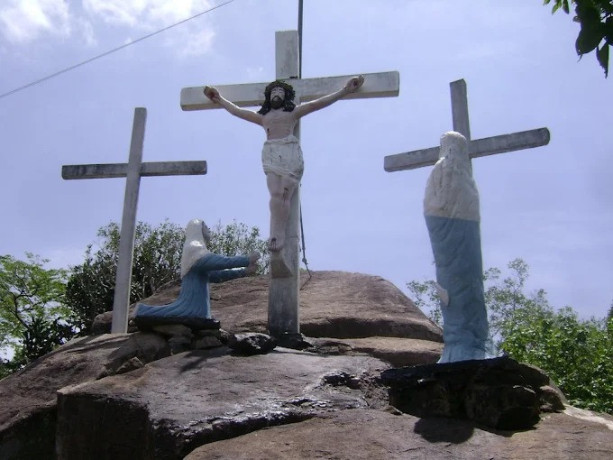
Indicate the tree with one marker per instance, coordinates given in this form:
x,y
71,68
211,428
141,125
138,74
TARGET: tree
x,y
157,261
575,353
32,313
238,239
91,286
596,20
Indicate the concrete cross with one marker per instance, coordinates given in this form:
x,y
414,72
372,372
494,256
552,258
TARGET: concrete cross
x,y
133,171
477,148
283,296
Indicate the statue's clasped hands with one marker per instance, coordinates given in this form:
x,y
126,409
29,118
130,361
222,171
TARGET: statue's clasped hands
x,y
253,263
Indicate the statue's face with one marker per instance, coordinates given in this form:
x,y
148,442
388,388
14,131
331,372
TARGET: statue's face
x,y
277,92
206,233
277,96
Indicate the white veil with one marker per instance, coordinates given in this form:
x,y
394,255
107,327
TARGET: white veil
x,y
194,247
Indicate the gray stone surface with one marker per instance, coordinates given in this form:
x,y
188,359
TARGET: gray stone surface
x,y
370,434
396,351
175,404
252,343
28,415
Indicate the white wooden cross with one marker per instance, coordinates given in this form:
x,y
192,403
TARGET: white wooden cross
x,y
477,148
133,171
283,296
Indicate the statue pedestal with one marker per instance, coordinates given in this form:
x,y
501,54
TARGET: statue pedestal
x,y
498,393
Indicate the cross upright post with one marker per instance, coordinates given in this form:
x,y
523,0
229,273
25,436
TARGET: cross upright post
x,y
283,314
459,108
132,171
284,291
477,148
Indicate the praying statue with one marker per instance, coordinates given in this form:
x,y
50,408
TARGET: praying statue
x,y
451,209
281,155
199,266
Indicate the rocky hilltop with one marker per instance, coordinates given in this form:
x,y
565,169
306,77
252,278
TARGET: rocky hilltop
x,y
142,396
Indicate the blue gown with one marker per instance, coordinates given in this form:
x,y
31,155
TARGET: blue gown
x,y
193,306
456,244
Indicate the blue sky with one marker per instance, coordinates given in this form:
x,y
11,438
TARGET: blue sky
x,y
552,205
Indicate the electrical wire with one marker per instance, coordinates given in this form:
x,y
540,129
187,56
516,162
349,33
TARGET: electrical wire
x,y
106,53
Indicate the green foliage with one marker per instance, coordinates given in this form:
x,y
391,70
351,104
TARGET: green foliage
x,y
32,314
237,239
596,20
505,299
91,286
575,353
426,299
157,261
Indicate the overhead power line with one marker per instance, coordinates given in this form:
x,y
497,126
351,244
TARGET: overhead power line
x,y
106,53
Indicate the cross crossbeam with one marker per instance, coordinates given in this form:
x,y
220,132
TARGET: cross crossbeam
x,y
149,169
476,148
383,84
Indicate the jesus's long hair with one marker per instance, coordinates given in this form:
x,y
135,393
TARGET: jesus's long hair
x,y
288,103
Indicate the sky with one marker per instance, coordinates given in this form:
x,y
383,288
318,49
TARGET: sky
x,y
552,206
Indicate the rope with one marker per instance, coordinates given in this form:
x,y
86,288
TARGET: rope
x,y
304,258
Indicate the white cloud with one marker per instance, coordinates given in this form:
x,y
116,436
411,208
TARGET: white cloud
x,y
26,20
23,21
115,11
192,42
189,39
143,14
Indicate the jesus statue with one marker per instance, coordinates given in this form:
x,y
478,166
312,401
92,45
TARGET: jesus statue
x,y
281,154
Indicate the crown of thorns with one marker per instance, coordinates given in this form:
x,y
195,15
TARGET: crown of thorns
x,y
289,89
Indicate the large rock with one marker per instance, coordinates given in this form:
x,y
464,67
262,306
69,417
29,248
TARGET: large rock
x,y
112,404
397,351
332,304
176,404
29,397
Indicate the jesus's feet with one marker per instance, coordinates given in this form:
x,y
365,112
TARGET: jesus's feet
x,y
275,244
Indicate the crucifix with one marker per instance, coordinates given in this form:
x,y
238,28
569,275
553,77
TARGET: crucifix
x,y
476,148
133,171
283,298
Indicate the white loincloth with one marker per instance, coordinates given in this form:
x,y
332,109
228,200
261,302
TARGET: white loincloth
x,y
283,157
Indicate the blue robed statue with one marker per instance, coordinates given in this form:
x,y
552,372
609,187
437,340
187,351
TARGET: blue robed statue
x,y
451,210
199,267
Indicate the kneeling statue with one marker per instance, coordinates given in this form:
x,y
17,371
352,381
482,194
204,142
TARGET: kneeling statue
x,y
199,266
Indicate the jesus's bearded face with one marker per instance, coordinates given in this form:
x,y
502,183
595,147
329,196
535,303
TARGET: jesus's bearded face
x,y
277,97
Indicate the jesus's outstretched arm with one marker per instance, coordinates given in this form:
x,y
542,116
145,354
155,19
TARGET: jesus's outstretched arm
x,y
308,107
245,114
